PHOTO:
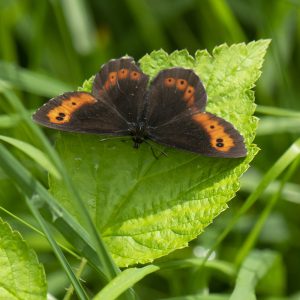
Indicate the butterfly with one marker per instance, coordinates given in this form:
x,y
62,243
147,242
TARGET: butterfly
x,y
170,110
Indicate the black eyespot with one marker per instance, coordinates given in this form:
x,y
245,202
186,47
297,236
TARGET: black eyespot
x,y
73,103
220,145
212,126
59,118
62,114
219,140
182,82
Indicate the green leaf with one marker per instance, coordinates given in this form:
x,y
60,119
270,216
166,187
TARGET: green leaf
x,y
253,269
109,266
87,85
131,276
53,212
21,275
146,207
123,281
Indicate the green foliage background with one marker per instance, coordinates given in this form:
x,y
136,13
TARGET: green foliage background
x,y
47,47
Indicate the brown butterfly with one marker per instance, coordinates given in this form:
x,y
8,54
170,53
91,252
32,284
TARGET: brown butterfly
x,y
171,111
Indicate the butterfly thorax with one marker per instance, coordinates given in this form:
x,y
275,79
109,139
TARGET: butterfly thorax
x,y
138,132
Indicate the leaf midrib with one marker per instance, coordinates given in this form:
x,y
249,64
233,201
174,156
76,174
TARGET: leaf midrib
x,y
115,213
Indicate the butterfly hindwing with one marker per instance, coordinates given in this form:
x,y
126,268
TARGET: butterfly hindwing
x,y
80,112
174,92
123,85
202,133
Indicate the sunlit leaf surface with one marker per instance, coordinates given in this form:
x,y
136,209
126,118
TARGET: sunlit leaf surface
x,y
146,207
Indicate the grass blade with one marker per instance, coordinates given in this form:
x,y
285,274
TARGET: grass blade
x,y
287,124
80,25
252,270
67,225
252,237
290,192
9,121
275,111
36,230
147,24
32,203
33,82
223,12
129,277
110,269
34,153
226,268
70,290
281,164
200,297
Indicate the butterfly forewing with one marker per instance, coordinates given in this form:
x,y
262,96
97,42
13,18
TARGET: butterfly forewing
x,y
116,101
123,85
173,93
81,112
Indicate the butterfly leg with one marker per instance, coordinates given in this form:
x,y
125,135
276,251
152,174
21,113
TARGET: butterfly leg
x,y
153,152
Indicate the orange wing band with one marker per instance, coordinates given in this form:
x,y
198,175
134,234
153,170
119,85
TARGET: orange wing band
x,y
63,113
219,139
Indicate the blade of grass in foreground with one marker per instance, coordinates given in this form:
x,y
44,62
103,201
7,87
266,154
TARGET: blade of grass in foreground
x,y
79,271
34,153
255,231
33,82
110,269
131,276
57,251
58,215
31,227
290,192
280,165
